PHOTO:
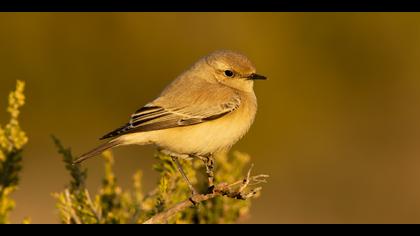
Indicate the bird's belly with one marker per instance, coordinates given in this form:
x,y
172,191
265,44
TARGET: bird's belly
x,y
207,137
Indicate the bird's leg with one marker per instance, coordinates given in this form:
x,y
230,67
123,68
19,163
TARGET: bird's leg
x,y
209,163
175,159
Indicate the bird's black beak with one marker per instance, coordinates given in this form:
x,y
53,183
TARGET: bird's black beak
x,y
254,76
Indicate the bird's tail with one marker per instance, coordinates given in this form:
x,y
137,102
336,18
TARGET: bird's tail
x,y
98,150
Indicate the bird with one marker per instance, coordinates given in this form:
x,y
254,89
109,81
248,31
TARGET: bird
x,y
203,111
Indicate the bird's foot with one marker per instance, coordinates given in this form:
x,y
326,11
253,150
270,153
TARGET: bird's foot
x,y
210,189
192,201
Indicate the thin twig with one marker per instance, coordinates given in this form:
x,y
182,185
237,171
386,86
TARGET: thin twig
x,y
246,180
258,179
181,170
222,189
92,207
71,210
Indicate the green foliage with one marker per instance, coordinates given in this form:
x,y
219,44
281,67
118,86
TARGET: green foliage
x,y
71,202
78,175
12,140
110,206
114,205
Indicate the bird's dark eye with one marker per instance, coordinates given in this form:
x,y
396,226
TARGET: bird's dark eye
x,y
229,73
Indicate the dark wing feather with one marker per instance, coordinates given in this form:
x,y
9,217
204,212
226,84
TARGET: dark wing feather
x,y
152,117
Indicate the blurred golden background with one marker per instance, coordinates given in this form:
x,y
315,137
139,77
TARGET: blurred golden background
x,y
338,127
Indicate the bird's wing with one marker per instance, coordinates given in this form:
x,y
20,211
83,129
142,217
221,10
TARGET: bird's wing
x,y
156,117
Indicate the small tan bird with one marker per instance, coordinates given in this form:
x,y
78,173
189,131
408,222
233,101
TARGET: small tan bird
x,y
207,109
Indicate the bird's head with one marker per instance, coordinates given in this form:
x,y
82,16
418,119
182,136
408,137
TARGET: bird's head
x,y
232,69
